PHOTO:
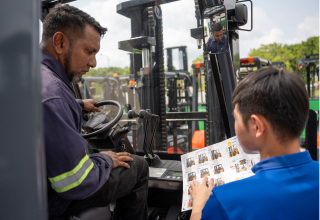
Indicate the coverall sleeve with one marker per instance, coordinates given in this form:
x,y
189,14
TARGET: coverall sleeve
x,y
72,173
80,102
208,45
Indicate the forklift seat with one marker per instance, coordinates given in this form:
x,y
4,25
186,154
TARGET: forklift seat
x,y
96,213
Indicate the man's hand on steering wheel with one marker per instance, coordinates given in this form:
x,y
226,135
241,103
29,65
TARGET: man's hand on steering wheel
x,y
89,105
119,158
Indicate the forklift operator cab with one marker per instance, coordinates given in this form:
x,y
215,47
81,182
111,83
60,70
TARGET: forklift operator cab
x,y
146,132
150,130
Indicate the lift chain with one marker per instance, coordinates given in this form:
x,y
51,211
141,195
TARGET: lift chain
x,y
160,63
151,21
205,56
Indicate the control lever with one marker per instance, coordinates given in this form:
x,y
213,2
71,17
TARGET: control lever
x,y
154,160
155,128
142,115
132,114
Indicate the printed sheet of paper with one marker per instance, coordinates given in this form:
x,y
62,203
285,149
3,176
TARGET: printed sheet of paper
x,y
224,162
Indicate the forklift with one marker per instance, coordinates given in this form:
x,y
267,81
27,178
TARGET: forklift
x,y
215,154
191,176
190,162
179,98
145,46
219,182
233,150
309,68
279,64
114,87
218,169
108,88
202,158
249,63
190,203
204,172
240,168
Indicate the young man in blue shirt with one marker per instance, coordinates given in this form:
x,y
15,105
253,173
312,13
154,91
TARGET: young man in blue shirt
x,y
271,111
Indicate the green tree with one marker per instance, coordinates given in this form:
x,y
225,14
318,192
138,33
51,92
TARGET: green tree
x,y
199,59
287,53
108,71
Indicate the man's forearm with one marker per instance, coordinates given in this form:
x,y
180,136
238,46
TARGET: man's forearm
x,y
197,210
195,215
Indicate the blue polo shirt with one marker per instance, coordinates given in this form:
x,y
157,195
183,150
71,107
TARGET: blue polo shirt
x,y
284,187
214,46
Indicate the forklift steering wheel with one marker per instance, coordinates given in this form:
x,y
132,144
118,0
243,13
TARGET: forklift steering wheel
x,y
108,125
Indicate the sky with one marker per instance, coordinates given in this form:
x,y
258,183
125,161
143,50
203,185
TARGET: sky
x,y
285,22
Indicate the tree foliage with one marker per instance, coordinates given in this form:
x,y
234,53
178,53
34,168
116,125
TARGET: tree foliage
x,y
289,54
199,59
108,71
274,52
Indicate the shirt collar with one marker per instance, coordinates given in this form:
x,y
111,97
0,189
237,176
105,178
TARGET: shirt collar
x,y
53,64
282,161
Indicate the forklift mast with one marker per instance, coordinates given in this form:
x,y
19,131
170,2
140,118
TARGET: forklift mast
x,y
147,58
221,68
183,59
309,62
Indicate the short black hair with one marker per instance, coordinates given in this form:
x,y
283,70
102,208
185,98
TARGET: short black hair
x,y
279,96
216,27
69,20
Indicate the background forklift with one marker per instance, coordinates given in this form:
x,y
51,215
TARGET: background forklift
x,y
179,98
279,64
19,40
308,69
108,88
251,64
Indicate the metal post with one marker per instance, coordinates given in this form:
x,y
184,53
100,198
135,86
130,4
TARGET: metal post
x,y
169,59
311,135
308,78
22,161
195,95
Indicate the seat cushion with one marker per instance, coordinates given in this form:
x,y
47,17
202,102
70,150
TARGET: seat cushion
x,y
96,213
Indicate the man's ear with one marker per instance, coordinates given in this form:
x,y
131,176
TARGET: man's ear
x,y
59,42
259,124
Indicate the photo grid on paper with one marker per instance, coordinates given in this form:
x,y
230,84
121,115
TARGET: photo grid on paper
x,y
224,162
